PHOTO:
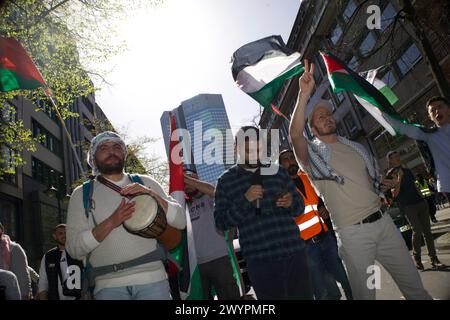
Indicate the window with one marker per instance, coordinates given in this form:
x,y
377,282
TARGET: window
x,y
318,76
88,123
350,123
349,10
353,63
389,79
45,174
339,97
336,34
367,44
46,106
384,142
387,17
88,104
8,113
321,64
408,59
8,216
50,217
7,162
48,140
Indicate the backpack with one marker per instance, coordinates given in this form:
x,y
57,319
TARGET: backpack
x,y
88,189
88,282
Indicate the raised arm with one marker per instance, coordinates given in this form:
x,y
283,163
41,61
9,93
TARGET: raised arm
x,y
407,129
202,186
297,125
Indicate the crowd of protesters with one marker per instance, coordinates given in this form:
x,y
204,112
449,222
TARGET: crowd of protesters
x,y
319,220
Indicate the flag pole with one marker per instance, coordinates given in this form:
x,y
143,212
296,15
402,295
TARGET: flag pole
x,y
63,124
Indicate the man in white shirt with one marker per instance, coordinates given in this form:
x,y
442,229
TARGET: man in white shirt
x,y
54,273
438,109
347,178
125,266
210,245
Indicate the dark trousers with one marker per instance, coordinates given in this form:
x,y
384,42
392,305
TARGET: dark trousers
x,y
431,207
282,279
324,262
218,273
418,218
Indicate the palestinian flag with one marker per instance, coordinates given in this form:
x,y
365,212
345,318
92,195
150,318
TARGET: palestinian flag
x,y
189,276
375,96
260,68
17,70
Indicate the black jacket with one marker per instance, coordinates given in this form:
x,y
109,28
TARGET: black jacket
x,y
53,269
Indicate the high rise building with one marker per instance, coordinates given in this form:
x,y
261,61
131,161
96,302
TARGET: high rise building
x,y
203,116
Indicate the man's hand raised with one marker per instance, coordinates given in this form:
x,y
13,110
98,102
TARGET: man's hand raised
x,y
306,81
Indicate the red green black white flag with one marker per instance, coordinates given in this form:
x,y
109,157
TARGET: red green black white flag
x,y
374,95
17,70
260,68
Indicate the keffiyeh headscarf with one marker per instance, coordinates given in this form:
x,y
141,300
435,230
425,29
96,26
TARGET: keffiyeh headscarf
x,y
98,140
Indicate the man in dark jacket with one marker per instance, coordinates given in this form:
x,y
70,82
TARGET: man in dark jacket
x,y
262,207
404,191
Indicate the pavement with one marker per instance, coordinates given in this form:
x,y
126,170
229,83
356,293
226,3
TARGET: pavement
x,y
437,283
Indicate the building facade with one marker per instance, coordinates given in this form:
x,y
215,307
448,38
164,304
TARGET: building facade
x,y
340,28
205,118
35,198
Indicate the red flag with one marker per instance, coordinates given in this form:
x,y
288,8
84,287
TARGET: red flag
x,y
17,70
176,180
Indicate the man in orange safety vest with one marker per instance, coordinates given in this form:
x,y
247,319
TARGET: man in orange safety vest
x,y
317,230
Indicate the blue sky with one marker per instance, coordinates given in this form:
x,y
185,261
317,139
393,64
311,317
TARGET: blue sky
x,y
183,48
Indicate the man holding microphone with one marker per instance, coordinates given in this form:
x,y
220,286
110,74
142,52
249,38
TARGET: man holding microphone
x,y
268,235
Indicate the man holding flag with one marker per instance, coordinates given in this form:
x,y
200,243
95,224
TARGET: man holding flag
x,y
378,99
347,178
438,109
213,260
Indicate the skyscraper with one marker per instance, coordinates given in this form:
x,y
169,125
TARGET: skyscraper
x,y
205,118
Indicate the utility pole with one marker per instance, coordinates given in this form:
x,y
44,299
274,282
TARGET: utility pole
x,y
436,70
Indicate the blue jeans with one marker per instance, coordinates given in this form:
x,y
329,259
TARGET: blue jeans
x,y
324,262
152,291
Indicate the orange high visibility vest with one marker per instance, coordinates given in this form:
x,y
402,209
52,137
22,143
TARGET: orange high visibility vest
x,y
310,223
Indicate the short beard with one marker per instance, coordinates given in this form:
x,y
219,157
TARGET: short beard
x,y
111,169
323,133
293,170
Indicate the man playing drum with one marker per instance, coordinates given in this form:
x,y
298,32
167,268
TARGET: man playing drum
x,y
125,265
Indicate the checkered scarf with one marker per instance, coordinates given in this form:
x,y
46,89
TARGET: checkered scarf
x,y
320,169
98,141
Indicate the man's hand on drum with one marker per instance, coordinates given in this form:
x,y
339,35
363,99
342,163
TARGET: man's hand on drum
x,y
123,212
137,188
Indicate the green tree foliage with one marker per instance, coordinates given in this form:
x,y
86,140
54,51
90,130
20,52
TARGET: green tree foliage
x,y
68,41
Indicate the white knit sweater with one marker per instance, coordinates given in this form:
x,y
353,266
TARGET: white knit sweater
x,y
119,246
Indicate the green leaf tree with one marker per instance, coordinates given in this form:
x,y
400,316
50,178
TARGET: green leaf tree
x,y
68,41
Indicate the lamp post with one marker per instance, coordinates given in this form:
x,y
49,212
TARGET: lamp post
x,y
59,192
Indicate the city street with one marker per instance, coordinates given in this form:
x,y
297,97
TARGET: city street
x,y
436,282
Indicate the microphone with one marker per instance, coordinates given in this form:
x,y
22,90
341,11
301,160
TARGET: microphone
x,y
257,180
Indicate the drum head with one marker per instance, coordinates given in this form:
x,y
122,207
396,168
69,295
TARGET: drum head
x,y
145,212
